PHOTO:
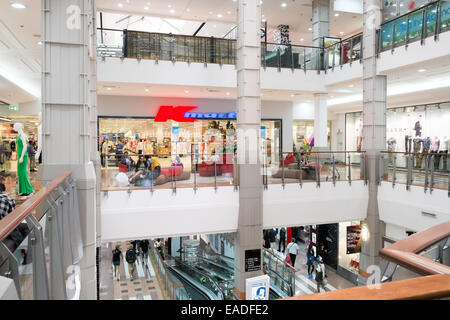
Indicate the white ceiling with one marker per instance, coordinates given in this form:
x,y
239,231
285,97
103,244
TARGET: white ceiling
x,y
20,32
297,14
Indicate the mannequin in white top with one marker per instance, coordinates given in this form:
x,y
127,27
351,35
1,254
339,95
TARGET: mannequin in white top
x,y
18,127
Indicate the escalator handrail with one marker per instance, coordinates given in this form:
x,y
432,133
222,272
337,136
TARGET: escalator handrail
x,y
191,281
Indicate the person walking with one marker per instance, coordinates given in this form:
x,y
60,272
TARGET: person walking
x,y
273,238
31,155
320,274
293,250
130,256
282,240
144,248
310,261
116,256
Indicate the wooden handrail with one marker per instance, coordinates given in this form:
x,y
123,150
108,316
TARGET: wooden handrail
x,y
413,262
12,220
423,288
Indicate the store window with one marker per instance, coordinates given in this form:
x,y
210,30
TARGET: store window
x,y
408,129
303,133
170,139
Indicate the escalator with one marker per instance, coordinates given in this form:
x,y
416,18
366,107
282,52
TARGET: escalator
x,y
193,291
200,284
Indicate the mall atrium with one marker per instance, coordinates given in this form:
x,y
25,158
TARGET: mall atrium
x,y
224,149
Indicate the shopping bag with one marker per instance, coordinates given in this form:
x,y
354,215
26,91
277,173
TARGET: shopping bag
x,y
288,259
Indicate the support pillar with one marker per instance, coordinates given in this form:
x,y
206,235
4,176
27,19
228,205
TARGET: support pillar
x,y
67,114
320,28
320,122
374,134
249,234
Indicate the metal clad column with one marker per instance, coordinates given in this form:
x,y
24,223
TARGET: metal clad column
x,y
249,234
320,121
320,21
66,101
374,132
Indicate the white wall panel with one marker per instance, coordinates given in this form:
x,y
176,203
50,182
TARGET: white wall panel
x,y
405,208
140,215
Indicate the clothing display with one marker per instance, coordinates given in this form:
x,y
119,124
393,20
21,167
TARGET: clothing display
x,y
417,145
391,143
418,129
408,141
426,144
435,144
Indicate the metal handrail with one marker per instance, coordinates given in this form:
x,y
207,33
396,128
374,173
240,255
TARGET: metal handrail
x,y
12,220
410,12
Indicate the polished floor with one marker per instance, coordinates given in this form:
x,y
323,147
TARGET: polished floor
x,y
144,286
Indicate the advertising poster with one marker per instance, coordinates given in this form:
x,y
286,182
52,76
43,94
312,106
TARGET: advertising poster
x,y
353,239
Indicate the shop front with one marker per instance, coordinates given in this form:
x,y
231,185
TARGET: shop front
x,y
349,250
421,129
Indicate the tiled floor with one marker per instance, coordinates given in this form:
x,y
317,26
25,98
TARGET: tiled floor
x,y
145,286
304,285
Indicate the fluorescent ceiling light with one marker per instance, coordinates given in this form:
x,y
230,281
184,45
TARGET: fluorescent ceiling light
x,y
18,5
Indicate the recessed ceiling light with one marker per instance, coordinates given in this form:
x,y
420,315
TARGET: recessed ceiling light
x,y
342,32
108,88
284,5
120,5
228,12
309,29
147,89
210,12
18,5
302,39
188,10
351,86
146,8
336,14
219,15
292,95
172,11
421,70
186,91
40,43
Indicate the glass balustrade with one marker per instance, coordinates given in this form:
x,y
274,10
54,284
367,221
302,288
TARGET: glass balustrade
x,y
417,25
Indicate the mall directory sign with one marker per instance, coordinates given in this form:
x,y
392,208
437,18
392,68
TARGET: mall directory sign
x,y
252,260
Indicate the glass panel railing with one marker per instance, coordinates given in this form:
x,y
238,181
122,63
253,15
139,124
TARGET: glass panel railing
x,y
428,170
343,52
416,25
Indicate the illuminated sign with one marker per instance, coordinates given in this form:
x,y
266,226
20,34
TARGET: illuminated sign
x,y
185,114
13,108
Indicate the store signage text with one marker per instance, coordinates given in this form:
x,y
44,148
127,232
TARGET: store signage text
x,y
185,114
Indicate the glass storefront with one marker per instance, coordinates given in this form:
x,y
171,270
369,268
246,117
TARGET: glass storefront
x,y
167,140
303,133
418,129
350,240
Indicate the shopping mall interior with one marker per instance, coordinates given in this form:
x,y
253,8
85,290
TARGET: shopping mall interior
x,y
224,150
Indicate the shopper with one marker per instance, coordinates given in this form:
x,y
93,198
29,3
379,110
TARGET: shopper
x,y
116,256
130,256
155,167
144,249
31,154
140,147
142,166
310,261
293,250
127,161
282,240
104,152
320,274
273,238
266,239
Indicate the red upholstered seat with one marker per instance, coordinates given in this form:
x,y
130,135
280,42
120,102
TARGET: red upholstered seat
x,y
289,159
206,169
168,171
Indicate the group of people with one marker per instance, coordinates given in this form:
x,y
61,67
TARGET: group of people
x,y
135,249
140,146
8,149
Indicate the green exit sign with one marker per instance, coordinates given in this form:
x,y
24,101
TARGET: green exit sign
x,y
13,108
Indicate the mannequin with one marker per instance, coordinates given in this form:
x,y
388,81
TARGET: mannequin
x,y
25,187
359,134
391,144
418,127
435,144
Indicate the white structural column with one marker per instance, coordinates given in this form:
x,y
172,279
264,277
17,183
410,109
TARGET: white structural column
x,y
320,21
66,105
249,234
374,132
320,120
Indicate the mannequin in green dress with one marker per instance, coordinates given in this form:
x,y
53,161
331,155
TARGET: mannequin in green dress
x,y
25,187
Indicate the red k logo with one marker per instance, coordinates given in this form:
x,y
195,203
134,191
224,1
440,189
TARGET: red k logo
x,y
176,114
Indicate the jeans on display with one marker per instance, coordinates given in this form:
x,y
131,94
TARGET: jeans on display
x,y
444,157
408,141
421,156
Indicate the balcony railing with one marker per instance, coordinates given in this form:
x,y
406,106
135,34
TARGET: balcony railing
x,y
50,224
169,47
428,21
197,170
428,170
